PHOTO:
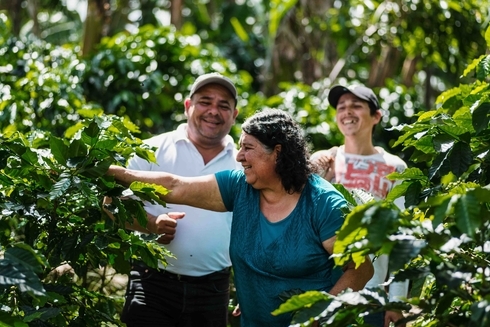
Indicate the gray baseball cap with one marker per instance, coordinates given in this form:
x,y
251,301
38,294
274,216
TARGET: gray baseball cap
x,y
214,78
359,91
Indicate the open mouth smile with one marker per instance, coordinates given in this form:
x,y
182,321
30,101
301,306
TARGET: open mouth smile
x,y
349,121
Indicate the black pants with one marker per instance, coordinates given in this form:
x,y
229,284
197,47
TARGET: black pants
x,y
375,320
161,299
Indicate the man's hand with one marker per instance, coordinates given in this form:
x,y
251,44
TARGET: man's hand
x,y
325,161
236,311
393,316
164,225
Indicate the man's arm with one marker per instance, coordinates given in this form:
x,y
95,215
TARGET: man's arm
x,y
164,224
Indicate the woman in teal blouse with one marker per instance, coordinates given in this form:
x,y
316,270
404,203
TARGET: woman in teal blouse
x,y
284,217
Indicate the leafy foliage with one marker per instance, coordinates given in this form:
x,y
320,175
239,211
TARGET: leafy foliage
x,y
39,87
145,76
51,192
441,240
57,244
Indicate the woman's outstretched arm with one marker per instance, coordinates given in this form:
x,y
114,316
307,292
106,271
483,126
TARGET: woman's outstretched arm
x,y
201,191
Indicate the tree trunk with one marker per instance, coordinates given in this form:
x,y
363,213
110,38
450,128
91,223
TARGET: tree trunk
x,y
119,18
384,66
298,54
33,9
14,8
176,13
409,70
94,24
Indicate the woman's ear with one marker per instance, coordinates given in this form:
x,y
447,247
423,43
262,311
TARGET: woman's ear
x,y
277,150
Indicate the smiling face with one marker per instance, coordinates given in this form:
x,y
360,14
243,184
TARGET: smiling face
x,y
210,114
354,117
259,163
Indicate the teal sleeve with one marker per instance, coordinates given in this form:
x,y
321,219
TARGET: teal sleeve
x,y
330,214
227,183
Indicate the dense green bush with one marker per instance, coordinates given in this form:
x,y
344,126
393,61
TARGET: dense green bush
x,y
39,87
441,241
54,236
143,76
59,251
147,75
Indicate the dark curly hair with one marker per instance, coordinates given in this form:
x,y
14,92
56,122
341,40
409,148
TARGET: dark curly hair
x,y
274,126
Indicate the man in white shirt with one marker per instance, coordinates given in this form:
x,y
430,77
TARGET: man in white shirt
x,y
358,164
193,289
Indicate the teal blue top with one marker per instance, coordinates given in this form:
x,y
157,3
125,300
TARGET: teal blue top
x,y
271,258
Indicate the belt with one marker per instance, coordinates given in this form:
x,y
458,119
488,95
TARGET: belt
x,y
184,278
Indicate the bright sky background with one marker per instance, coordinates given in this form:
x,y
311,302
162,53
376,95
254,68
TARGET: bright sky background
x,y
81,7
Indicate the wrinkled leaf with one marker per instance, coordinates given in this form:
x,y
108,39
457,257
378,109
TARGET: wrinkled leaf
x,y
412,196
302,300
460,158
467,215
481,117
440,166
90,134
59,188
403,251
59,149
23,254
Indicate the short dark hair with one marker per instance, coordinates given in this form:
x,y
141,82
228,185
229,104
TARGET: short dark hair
x,y
274,126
